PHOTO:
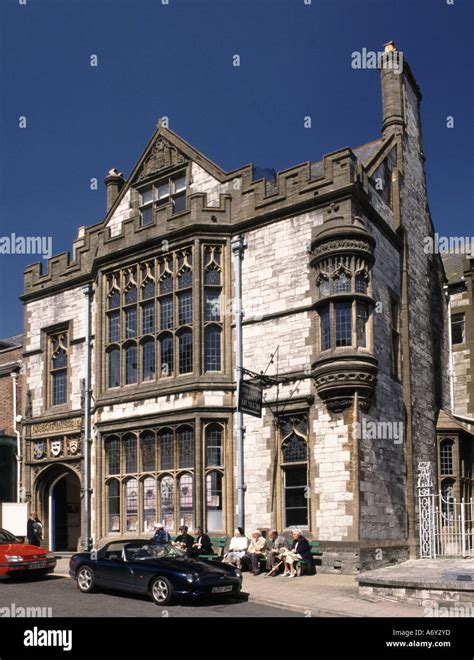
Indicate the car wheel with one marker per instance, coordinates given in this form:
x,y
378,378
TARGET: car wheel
x,y
161,591
85,580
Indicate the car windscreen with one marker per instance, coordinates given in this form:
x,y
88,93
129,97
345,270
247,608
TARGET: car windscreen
x,y
6,537
147,551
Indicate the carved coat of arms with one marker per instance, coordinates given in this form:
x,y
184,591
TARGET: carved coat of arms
x,y
56,447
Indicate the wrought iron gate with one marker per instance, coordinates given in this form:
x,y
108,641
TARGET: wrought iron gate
x,y
445,523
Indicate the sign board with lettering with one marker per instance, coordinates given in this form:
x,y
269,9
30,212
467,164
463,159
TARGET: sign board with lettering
x,y
250,399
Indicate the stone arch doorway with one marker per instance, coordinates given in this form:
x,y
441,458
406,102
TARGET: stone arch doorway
x,y
58,504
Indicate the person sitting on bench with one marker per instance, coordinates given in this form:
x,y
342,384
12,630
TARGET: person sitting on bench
x,y
300,551
256,549
237,548
203,545
276,542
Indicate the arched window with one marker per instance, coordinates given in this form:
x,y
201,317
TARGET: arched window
x,y
167,502
446,457
148,451
214,445
166,356
342,282
294,447
148,359
166,441
130,445
149,503
131,364
114,367
323,284
185,438
212,348
186,352
186,500
447,501
131,505
214,517
113,505
112,448
59,363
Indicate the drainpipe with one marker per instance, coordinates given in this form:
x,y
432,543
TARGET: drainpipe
x,y
86,535
18,456
238,246
450,343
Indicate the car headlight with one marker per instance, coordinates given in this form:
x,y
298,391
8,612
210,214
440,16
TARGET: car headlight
x,y
49,555
189,577
238,572
14,558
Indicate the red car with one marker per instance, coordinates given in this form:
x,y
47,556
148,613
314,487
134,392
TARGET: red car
x,y
17,558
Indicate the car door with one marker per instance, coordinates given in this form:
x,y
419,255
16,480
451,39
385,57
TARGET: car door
x,y
112,571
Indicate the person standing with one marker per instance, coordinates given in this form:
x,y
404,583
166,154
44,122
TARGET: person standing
x,y
34,529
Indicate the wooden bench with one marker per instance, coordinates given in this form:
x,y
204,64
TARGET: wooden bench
x,y
300,565
219,543
315,550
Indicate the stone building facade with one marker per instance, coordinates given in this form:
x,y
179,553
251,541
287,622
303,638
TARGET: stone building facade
x,y
344,312
10,398
456,430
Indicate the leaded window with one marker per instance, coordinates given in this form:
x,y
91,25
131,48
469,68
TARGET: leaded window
x,y
149,503
148,359
361,319
446,457
186,500
185,438
167,508
325,328
214,448
130,364
130,444
212,348
170,190
212,313
113,505
59,368
166,450
148,451
131,505
154,471
214,508
113,455
294,465
185,352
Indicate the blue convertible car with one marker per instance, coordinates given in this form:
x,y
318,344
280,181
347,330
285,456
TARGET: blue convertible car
x,y
160,570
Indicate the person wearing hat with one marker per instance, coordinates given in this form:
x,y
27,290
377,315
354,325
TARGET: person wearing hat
x,y
160,535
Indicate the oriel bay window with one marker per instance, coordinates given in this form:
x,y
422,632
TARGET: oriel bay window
x,y
150,323
150,475
343,323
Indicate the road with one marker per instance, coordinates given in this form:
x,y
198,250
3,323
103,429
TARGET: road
x,y
61,595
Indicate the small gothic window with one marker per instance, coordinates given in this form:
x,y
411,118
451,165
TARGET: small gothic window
x,y
342,283
446,457
361,283
294,449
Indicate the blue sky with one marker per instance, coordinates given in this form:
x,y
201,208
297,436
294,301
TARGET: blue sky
x,y
176,60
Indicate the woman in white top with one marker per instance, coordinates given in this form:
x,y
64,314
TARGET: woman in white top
x,y
237,548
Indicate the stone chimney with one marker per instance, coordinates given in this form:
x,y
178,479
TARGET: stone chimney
x,y
391,74
114,182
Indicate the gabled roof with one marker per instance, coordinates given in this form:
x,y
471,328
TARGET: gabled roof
x,y
447,422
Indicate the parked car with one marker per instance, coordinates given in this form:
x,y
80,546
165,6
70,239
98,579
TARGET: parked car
x,y
160,570
20,559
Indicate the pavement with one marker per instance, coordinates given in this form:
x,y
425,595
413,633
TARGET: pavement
x,y
318,595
